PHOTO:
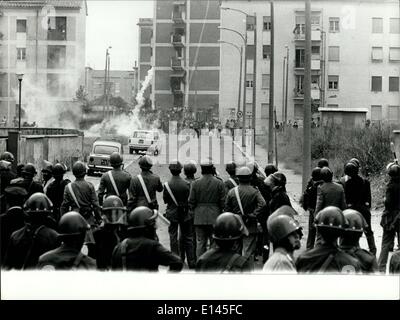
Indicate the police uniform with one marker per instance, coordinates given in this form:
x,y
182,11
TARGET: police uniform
x,y
122,181
229,184
143,254
327,258
280,261
55,192
330,194
137,195
65,258
367,259
279,198
218,260
206,200
28,244
394,267
30,186
106,239
6,175
180,217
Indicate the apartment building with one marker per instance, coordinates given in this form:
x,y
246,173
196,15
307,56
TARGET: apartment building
x,y
45,41
186,56
145,53
355,58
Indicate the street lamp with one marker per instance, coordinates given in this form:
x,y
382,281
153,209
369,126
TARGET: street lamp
x,y
106,76
19,77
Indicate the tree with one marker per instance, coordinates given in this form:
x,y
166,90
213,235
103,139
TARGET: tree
x,y
81,97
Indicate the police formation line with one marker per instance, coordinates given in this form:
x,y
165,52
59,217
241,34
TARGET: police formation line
x,y
213,225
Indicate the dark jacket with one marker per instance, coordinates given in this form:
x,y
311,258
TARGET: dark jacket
x,y
252,203
330,194
137,196
391,214
10,222
394,266
357,192
309,200
65,258
367,259
229,184
181,190
55,192
312,260
279,198
30,186
27,245
6,175
105,240
122,180
143,254
207,199
217,260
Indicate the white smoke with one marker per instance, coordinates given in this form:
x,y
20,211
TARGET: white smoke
x,y
123,124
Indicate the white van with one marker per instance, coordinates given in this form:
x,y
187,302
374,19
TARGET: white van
x,y
142,140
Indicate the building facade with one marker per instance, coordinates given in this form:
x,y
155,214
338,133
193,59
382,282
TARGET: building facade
x,y
186,56
45,41
145,54
355,58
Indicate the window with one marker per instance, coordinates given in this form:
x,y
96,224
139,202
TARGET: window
x,y
178,52
334,106
394,54
249,81
267,23
300,56
299,84
57,28
250,23
376,113
266,52
250,52
21,53
21,25
333,54
55,85
264,110
377,25
394,25
394,113
56,56
117,87
376,84
315,19
377,53
333,82
298,111
314,82
334,24
315,53
300,25
393,84
99,149
265,81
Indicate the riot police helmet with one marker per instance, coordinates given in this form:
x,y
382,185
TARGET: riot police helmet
x,y
79,169
228,227
116,159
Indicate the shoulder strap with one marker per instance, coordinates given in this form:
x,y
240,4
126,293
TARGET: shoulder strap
x,y
170,193
113,182
146,192
124,246
77,260
28,255
233,182
326,263
73,194
238,199
231,262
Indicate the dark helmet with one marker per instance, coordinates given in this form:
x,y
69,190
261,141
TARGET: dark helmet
x,y
47,166
278,178
72,224
355,161
394,170
29,170
145,162
38,203
141,217
230,167
286,211
79,169
58,169
7,156
270,169
113,209
355,221
351,169
228,227
331,218
323,163
326,174
190,167
280,226
316,174
116,159
175,165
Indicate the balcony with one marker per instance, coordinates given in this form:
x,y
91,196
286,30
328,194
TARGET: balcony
x,y
176,63
301,36
180,2
298,94
178,40
178,16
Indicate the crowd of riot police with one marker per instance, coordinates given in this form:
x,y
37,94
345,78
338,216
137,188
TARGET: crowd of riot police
x,y
213,225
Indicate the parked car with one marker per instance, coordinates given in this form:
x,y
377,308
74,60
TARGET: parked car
x,y
143,140
99,158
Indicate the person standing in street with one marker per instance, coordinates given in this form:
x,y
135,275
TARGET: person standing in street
x,y
55,190
276,183
232,181
47,175
31,186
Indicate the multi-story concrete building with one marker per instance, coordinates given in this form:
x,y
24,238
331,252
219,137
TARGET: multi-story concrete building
x,y
122,84
186,56
44,40
145,52
355,57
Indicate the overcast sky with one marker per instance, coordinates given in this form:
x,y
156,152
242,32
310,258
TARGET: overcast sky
x,y
114,23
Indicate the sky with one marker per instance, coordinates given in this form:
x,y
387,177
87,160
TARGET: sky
x,y
114,23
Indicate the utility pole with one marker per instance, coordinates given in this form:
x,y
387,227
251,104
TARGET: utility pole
x,y
105,86
307,99
283,90
253,145
244,88
108,87
287,82
240,79
271,92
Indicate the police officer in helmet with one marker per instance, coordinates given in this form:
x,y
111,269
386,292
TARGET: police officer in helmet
x,y
228,231
31,186
139,251
72,233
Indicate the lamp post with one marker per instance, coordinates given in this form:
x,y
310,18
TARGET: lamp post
x,y
19,77
106,82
